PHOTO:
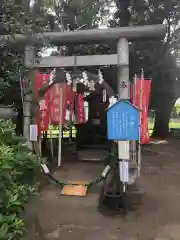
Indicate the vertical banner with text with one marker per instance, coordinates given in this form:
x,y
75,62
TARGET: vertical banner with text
x,y
55,102
43,116
71,101
145,104
80,113
140,96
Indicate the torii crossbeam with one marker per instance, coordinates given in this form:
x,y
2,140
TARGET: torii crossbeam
x,y
92,35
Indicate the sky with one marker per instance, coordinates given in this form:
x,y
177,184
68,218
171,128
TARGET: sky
x,y
178,102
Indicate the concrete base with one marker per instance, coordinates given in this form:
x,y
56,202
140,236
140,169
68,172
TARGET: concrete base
x,y
120,202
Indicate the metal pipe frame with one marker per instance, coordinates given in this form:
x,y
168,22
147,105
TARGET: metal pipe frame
x,y
91,35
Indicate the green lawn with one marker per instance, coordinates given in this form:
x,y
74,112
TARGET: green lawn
x,y
173,124
55,132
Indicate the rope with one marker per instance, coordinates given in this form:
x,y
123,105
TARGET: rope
x,y
89,184
102,177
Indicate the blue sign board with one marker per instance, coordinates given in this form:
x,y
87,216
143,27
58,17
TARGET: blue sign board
x,y
123,121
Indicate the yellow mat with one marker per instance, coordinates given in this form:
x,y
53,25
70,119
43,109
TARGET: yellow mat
x,y
74,190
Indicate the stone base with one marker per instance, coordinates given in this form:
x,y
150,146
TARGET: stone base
x,y
128,201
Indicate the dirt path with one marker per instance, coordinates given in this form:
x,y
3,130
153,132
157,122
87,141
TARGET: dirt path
x,y
74,218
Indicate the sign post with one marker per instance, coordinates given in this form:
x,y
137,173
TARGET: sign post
x,y
123,126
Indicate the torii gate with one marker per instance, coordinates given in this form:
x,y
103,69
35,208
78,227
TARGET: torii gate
x,y
121,59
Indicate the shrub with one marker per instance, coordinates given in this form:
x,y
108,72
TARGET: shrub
x,y
19,169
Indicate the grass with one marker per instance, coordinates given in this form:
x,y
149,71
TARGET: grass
x,y
55,133
174,123
171,124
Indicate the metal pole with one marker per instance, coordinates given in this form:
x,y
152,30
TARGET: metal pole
x,y
50,131
134,150
40,144
123,89
60,129
51,144
61,95
140,122
70,127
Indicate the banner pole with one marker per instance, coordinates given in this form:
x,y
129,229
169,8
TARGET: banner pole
x,y
70,128
134,154
60,129
51,144
60,100
40,144
70,119
140,122
50,130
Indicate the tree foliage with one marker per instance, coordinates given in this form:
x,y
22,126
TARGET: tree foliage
x,y
157,58
19,169
17,17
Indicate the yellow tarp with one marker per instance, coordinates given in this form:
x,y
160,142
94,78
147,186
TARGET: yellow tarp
x,y
71,190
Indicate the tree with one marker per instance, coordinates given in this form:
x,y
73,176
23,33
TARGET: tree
x,y
158,58
17,16
23,17
175,111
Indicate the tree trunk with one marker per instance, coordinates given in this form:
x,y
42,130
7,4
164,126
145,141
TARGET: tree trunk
x,y
162,117
123,12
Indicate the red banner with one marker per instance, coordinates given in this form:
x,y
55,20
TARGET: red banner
x,y
80,114
135,93
65,90
144,118
147,90
71,102
138,93
139,96
43,117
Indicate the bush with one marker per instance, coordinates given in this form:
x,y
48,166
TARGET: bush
x,y
19,169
